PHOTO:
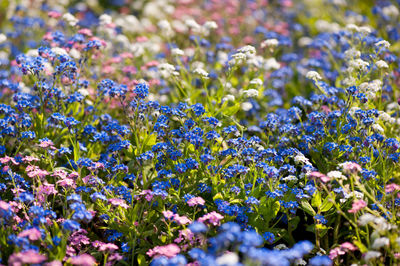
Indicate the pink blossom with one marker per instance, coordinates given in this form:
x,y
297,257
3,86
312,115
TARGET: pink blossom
x,y
4,205
168,214
83,260
33,234
182,220
73,175
196,201
185,234
391,187
59,173
86,32
170,250
336,252
119,202
30,159
348,246
319,175
66,182
357,205
46,143
7,159
350,167
54,14
26,257
108,247
213,218
53,263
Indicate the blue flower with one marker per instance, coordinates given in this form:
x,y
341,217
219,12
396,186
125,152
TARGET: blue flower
x,y
198,227
71,225
320,261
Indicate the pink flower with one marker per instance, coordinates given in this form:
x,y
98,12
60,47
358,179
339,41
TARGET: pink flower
x,y
33,234
66,182
320,176
357,205
213,218
53,263
196,201
7,159
59,173
26,257
348,246
336,252
350,167
108,247
46,143
170,250
391,187
182,220
30,159
168,214
185,234
119,202
4,205
83,260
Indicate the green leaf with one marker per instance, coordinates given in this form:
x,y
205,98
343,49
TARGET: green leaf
x,y
305,205
360,246
326,205
141,259
231,110
316,201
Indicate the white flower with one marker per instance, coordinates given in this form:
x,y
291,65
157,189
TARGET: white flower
x,y
271,64
210,25
83,91
228,97
201,72
105,19
384,116
390,11
314,75
383,43
358,64
247,50
250,93
380,242
166,70
366,219
270,43
378,128
381,64
257,82
192,24
70,19
352,27
228,259
300,158
352,53
59,51
371,255
290,178
3,38
365,30
336,175
246,106
177,52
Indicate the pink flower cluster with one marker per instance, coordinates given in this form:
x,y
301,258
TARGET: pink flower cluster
x,y
213,218
341,250
170,250
182,220
357,206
